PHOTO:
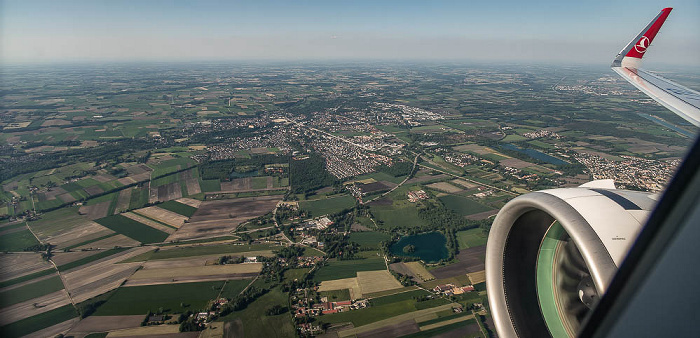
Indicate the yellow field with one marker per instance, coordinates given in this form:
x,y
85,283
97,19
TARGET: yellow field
x,y
419,270
376,281
145,331
191,202
340,284
444,186
198,271
166,216
477,277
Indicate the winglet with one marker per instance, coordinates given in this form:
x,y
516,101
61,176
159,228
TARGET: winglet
x,y
631,55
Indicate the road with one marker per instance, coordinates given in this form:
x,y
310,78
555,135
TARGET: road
x,y
415,163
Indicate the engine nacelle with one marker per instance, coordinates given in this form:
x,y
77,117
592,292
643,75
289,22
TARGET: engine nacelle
x,y
551,254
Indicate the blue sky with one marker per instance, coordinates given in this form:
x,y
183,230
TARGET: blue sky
x,y
541,31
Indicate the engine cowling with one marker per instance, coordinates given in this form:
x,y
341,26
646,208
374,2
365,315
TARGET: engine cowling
x,y
551,254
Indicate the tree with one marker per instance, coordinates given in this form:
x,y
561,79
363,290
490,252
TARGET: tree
x,y
409,249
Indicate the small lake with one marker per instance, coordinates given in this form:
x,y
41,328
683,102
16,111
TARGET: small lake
x,y
429,247
535,154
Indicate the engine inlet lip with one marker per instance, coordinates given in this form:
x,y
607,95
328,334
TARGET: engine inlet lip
x,y
598,260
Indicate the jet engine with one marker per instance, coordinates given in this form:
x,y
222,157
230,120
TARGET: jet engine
x,y
551,254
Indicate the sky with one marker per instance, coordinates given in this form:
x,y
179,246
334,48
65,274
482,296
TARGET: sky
x,y
559,31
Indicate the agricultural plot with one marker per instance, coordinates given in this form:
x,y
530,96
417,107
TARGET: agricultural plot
x,y
204,250
30,291
177,207
133,229
464,183
123,201
348,268
252,321
477,277
167,192
89,259
100,276
469,260
95,211
327,206
33,307
16,266
402,214
349,284
17,240
416,270
471,238
369,239
38,322
151,223
463,205
191,202
220,217
173,298
377,281
193,274
65,227
444,187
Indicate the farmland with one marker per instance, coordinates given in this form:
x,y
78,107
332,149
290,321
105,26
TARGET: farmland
x,y
133,229
173,298
348,269
182,209
471,238
369,239
462,205
327,205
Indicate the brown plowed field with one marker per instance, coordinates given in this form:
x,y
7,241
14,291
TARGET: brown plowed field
x,y
123,201
469,260
27,309
162,215
54,330
216,218
110,242
21,264
169,191
95,211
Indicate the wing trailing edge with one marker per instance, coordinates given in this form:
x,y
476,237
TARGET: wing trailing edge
x,y
681,100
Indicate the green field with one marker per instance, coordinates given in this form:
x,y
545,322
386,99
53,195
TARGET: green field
x,y
445,329
336,295
30,291
139,198
463,205
173,298
393,216
371,314
130,228
257,324
17,241
88,259
234,287
204,250
259,182
471,238
177,207
32,324
513,138
399,297
90,241
209,185
369,239
348,268
327,206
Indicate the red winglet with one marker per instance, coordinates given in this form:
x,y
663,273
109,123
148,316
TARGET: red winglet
x,y
640,47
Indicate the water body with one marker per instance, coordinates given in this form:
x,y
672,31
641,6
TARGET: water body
x,y
430,247
667,125
535,154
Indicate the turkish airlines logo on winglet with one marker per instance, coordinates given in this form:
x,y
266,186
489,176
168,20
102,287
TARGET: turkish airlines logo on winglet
x,y
642,45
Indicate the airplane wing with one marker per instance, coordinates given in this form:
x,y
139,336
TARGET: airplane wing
x,y
681,100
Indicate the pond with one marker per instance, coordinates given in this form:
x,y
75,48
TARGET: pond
x,y
535,154
430,247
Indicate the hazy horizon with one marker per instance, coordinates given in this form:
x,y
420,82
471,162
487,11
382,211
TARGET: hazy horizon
x,y
211,31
